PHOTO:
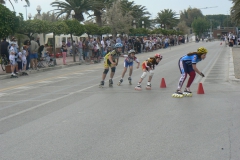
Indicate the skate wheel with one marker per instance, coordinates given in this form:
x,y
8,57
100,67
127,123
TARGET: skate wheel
x,y
173,95
119,84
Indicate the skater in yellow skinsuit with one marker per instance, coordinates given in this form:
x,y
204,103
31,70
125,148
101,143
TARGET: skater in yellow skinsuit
x,y
111,61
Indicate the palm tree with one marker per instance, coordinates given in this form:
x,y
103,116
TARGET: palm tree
x,y
79,6
167,18
98,7
4,2
138,12
235,11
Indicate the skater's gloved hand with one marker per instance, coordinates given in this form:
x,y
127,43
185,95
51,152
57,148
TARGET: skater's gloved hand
x,y
202,74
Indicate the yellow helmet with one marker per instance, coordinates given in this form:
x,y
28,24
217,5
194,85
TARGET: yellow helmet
x,y
202,50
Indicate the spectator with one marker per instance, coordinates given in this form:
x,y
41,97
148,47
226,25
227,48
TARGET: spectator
x,y
4,48
34,54
69,46
64,52
80,49
38,42
85,50
27,43
102,47
231,43
90,52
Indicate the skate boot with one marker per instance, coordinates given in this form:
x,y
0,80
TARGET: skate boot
x,y
110,82
101,84
187,93
177,94
119,83
130,80
14,76
138,87
148,87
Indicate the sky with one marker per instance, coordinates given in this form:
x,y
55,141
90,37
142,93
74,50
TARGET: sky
x,y
152,6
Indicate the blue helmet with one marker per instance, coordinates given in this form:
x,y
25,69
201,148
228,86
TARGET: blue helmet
x,y
118,45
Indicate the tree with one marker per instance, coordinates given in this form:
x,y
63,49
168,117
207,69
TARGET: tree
x,y
138,12
104,30
57,28
189,15
30,27
74,28
91,29
182,26
49,16
200,25
79,7
4,2
9,22
167,18
117,21
98,6
235,11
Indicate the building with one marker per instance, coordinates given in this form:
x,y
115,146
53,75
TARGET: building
x,y
218,32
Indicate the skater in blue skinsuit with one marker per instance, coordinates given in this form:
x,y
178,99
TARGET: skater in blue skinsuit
x,y
187,66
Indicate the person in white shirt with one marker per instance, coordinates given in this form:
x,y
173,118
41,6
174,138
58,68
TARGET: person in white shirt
x,y
12,59
102,47
22,55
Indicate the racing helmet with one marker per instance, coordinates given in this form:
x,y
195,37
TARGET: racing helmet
x,y
158,56
131,51
118,45
202,50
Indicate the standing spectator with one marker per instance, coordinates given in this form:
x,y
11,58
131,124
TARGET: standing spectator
x,y
90,52
27,43
34,53
85,50
102,47
12,58
69,46
64,52
38,42
80,49
4,48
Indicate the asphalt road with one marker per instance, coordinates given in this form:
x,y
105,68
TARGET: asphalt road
x,y
63,115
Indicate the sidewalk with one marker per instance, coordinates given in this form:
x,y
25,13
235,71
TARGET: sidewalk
x,y
234,65
59,61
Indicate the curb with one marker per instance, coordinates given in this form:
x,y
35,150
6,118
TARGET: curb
x,y
7,76
231,74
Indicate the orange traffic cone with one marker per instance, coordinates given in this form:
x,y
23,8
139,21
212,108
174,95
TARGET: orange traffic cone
x,y
200,89
163,84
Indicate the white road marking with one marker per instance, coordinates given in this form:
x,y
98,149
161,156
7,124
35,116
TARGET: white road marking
x,y
46,82
42,104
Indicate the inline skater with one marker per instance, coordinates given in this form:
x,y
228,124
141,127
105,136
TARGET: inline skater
x,y
128,62
111,61
148,66
187,65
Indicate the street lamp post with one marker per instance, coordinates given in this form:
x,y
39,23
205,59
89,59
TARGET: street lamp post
x,y
39,16
72,13
134,24
26,10
142,24
73,47
29,16
39,12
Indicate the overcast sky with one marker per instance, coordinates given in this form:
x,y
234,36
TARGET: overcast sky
x,y
153,6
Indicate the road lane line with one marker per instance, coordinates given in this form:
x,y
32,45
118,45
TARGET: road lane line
x,y
38,81
53,100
